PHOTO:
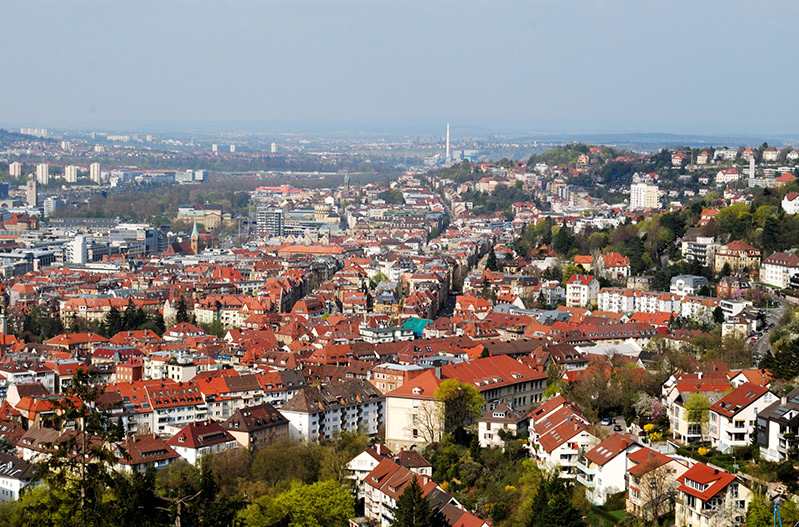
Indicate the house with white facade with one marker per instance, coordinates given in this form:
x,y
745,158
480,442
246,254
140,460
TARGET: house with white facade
x,y
199,438
502,421
710,497
602,469
733,419
581,290
778,269
15,475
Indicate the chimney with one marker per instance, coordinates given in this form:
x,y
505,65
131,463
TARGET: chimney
x,y
438,371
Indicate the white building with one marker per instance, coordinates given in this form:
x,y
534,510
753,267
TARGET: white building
x,y
581,290
77,250
200,438
94,172
727,175
732,419
71,174
602,469
778,428
644,196
498,423
323,411
684,285
15,169
790,203
15,474
43,173
778,269
710,497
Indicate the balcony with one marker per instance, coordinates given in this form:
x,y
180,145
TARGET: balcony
x,y
586,473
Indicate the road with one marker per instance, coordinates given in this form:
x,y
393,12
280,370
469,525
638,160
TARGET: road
x,y
762,345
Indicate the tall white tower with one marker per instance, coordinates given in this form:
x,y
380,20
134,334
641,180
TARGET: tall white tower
x,y
447,157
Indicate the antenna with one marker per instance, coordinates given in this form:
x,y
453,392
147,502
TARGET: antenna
x,y
447,156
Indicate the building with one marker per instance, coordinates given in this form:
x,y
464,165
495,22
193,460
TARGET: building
x,y
732,419
138,238
77,250
616,266
71,174
778,269
790,203
52,205
738,256
500,423
644,196
31,194
43,173
651,482
710,497
320,412
15,169
581,290
778,429
687,285
144,451
602,469
199,438
257,426
699,248
15,475
94,173
269,222
727,175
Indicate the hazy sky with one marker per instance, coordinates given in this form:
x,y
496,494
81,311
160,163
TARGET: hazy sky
x,y
560,65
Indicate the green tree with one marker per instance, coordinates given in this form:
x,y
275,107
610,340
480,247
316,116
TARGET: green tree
x,y
320,504
113,322
80,465
784,362
697,408
551,506
491,261
563,241
413,510
182,312
758,513
462,403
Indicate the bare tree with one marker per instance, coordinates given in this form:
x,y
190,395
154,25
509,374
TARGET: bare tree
x,y
428,421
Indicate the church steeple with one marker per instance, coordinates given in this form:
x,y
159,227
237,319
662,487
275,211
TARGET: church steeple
x,y
195,239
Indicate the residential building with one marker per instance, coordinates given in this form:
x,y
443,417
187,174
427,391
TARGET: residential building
x,y
738,256
790,203
727,175
616,266
15,475
699,248
732,419
651,482
778,269
320,412
199,438
500,423
257,426
710,497
43,173
602,469
644,196
778,428
581,290
141,452
270,222
684,285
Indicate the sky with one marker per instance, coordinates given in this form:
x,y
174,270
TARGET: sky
x,y
560,65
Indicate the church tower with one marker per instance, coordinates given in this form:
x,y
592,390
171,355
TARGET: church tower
x,y
195,239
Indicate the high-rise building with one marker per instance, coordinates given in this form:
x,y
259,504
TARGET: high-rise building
x,y
31,194
52,206
94,172
43,173
273,148
15,169
644,196
78,250
71,174
269,222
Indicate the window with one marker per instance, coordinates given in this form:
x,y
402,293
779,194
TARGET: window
x,y
415,433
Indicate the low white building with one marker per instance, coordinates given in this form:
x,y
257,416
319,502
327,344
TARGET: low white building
x,y
500,422
15,475
602,469
200,438
790,203
710,497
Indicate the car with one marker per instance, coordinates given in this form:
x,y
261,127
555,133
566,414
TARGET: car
x,y
617,428
606,421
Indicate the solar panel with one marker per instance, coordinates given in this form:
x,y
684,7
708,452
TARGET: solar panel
x,y
781,411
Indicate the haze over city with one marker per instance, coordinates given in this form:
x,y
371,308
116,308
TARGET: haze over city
x,y
545,66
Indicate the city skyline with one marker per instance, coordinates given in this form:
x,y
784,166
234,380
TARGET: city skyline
x,y
589,67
